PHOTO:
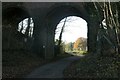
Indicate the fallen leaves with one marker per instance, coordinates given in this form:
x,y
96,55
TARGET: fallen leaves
x,y
93,66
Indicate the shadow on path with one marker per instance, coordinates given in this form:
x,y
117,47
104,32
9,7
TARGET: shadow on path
x,y
53,70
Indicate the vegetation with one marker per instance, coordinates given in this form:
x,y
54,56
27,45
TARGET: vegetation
x,y
93,66
80,44
78,47
69,47
105,62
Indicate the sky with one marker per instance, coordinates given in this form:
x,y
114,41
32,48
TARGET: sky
x,y
25,24
75,27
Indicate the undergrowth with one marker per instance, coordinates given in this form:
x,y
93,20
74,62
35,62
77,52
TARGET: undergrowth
x,y
94,66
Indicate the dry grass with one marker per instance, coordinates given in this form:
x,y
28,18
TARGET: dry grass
x,y
93,66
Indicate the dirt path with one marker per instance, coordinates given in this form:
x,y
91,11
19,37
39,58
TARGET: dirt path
x,y
53,70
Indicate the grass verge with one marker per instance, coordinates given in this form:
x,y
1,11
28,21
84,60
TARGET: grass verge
x,y
94,66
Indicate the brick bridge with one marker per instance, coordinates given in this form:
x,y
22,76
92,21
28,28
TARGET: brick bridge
x,y
45,16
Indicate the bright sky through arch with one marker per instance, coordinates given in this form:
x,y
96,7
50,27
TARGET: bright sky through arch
x,y
75,28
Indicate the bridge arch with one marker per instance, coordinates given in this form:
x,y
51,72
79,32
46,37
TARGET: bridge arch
x,y
46,16
59,12
12,15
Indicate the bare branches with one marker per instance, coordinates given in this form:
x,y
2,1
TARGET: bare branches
x,y
60,37
111,17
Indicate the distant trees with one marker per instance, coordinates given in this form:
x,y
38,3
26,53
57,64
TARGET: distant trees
x,y
61,29
69,46
59,45
80,44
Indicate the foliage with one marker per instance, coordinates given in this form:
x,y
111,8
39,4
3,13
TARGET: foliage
x,y
69,47
111,13
93,66
59,49
80,43
83,52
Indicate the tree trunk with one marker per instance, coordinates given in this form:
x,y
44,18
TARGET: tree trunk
x,y
21,27
28,27
60,37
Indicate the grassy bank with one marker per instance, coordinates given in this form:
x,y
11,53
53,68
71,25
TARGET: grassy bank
x,y
94,66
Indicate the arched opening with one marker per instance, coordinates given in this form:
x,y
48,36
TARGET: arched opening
x,y
55,15
25,32
11,18
16,45
26,27
71,35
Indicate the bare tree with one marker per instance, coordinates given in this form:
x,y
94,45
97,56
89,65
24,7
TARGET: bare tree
x,y
111,17
28,26
60,37
61,29
21,27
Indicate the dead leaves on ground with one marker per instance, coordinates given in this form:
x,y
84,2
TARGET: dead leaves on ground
x,y
93,66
